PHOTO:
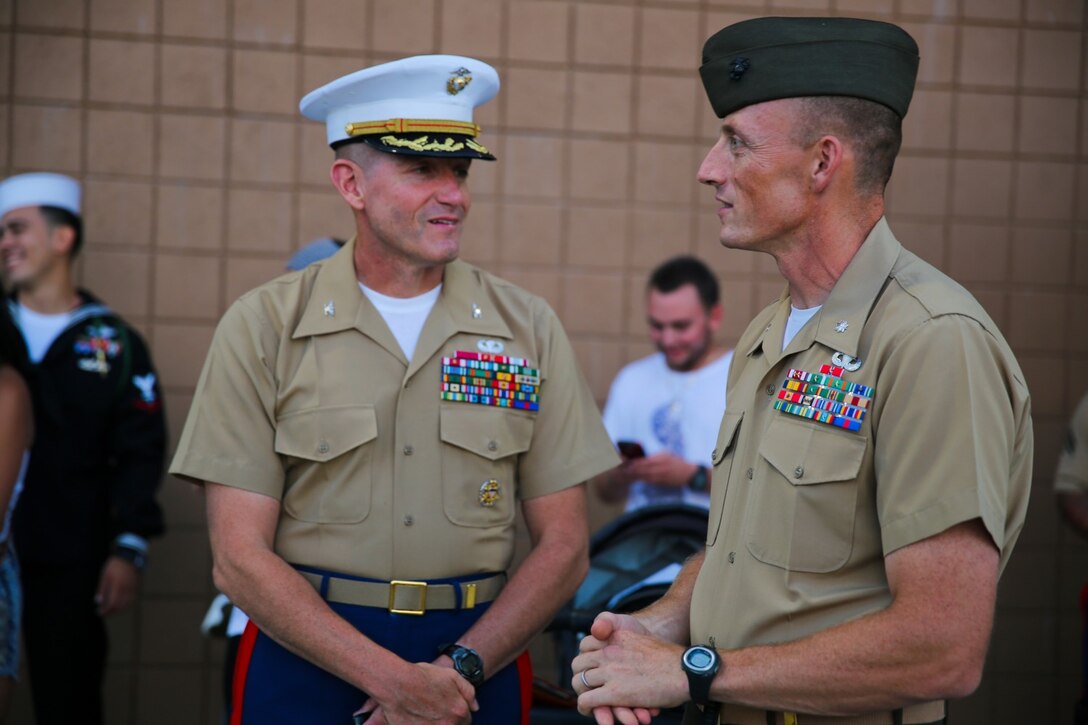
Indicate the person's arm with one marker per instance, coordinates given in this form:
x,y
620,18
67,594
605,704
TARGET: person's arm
x,y
666,620
664,469
242,527
660,469
548,577
16,430
137,442
928,644
611,486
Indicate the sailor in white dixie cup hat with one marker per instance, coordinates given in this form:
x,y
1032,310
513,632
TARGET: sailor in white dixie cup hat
x,y
40,189
418,106
88,507
362,484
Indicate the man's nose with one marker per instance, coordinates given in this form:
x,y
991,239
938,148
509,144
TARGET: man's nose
x,y
452,189
712,171
669,337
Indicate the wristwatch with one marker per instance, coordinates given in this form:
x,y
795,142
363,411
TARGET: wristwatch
x,y
133,556
466,661
701,664
700,480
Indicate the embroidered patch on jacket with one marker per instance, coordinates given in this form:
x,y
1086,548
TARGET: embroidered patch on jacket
x,y
95,347
483,379
825,397
148,400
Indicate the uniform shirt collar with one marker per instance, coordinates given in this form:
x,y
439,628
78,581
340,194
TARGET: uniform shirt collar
x,y
847,307
336,284
335,302
850,300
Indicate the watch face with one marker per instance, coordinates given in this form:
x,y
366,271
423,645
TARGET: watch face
x,y
470,662
699,659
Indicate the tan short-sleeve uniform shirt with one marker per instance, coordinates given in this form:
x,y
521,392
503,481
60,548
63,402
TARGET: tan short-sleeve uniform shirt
x,y
1072,473
307,397
804,512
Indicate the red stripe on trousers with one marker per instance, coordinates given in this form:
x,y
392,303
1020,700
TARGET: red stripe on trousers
x,y
525,681
241,669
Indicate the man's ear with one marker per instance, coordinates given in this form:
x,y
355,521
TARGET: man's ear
x,y
350,180
715,315
63,239
828,155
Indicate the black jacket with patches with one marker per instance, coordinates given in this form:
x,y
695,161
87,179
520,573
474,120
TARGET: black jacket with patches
x,y
99,443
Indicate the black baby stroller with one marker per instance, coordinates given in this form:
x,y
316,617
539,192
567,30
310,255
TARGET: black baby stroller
x,y
632,562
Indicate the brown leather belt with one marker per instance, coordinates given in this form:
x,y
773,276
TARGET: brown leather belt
x,y
924,713
406,597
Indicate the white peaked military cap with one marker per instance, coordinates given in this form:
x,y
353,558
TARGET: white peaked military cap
x,y
39,189
420,106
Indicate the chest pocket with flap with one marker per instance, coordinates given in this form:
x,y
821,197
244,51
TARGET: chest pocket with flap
x,y
723,464
328,462
801,512
481,444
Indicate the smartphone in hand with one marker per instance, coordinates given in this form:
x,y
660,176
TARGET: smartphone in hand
x,y
631,449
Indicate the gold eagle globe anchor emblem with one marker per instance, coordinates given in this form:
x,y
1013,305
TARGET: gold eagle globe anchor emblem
x,y
459,82
490,493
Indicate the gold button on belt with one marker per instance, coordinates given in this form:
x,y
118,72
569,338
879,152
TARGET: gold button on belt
x,y
402,596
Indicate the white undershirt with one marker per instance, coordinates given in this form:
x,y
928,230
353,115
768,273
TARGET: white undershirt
x,y
405,316
40,330
797,320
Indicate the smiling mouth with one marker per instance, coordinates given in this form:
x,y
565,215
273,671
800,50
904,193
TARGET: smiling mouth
x,y
445,221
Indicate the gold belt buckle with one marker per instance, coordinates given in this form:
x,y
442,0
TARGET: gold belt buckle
x,y
421,586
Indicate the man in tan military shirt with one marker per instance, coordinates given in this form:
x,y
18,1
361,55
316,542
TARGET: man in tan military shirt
x,y
368,427
873,465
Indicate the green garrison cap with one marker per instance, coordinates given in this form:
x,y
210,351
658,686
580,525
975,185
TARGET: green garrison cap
x,y
769,58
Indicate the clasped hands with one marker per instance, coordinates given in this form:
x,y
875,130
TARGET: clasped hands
x,y
431,692
623,674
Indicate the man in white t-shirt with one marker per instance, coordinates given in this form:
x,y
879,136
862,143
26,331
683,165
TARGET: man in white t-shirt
x,y
663,411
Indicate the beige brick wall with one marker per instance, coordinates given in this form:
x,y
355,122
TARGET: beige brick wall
x,y
180,117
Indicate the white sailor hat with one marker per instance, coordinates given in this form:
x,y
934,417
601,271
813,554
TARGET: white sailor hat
x,y
420,106
39,189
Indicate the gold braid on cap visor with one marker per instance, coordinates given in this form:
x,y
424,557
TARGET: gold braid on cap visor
x,y
419,125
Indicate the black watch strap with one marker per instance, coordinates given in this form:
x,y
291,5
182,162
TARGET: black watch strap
x,y
701,664
700,480
132,555
466,661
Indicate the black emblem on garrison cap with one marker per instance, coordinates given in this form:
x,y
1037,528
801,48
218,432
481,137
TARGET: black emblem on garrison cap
x,y
737,68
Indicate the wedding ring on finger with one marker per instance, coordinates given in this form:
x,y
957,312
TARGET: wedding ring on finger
x,y
585,681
